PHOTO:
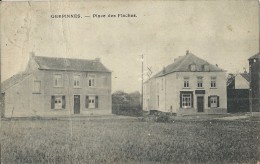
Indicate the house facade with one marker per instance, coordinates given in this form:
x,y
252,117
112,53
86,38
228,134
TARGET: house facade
x,y
190,85
254,67
58,87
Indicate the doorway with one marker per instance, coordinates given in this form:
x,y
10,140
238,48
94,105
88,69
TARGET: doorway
x,y
200,103
76,104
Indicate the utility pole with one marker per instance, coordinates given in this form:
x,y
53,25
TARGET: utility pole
x,y
142,81
250,89
259,24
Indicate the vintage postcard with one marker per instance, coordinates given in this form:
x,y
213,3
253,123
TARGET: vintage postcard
x,y
130,81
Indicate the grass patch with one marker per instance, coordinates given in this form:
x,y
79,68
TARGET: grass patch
x,y
128,141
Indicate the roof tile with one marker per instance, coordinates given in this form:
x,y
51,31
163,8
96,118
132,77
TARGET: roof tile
x,y
182,64
53,63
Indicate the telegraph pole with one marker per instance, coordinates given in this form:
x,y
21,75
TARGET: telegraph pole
x,y
142,81
250,89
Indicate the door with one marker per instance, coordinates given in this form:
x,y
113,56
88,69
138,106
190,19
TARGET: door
x,y
200,103
76,104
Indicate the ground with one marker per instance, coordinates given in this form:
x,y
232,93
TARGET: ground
x,y
118,139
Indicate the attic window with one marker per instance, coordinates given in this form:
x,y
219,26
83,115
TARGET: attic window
x,y
193,67
206,67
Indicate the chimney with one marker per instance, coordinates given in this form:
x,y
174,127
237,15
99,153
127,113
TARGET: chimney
x,y
187,52
164,70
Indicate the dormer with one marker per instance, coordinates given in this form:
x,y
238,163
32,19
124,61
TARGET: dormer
x,y
193,67
206,67
67,63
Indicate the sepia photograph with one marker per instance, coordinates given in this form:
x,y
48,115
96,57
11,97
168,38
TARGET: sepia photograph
x,y
130,81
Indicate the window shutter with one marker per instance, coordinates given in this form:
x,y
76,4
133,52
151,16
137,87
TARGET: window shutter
x,y
192,100
52,102
63,102
87,102
209,101
217,101
96,102
180,101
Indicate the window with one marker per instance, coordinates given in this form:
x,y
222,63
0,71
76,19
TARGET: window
x,y
213,82
57,80
91,80
37,87
91,102
193,67
186,99
186,83
213,101
199,82
58,102
76,81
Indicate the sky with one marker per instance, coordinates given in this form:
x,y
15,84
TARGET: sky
x,y
223,32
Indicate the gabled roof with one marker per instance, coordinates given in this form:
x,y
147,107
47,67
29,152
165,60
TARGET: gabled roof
x,y
230,80
51,63
13,80
182,64
246,76
256,56
54,63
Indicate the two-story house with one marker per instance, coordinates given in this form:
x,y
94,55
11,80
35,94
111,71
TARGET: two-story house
x,y
187,86
58,87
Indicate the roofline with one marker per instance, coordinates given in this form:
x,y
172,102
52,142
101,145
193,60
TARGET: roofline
x,y
178,71
33,57
253,57
73,70
91,60
190,71
53,57
243,76
4,90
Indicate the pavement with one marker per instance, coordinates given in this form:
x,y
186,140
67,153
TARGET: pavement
x,y
230,118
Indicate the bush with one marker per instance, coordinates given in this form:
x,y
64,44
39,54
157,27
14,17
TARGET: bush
x,y
127,110
163,118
